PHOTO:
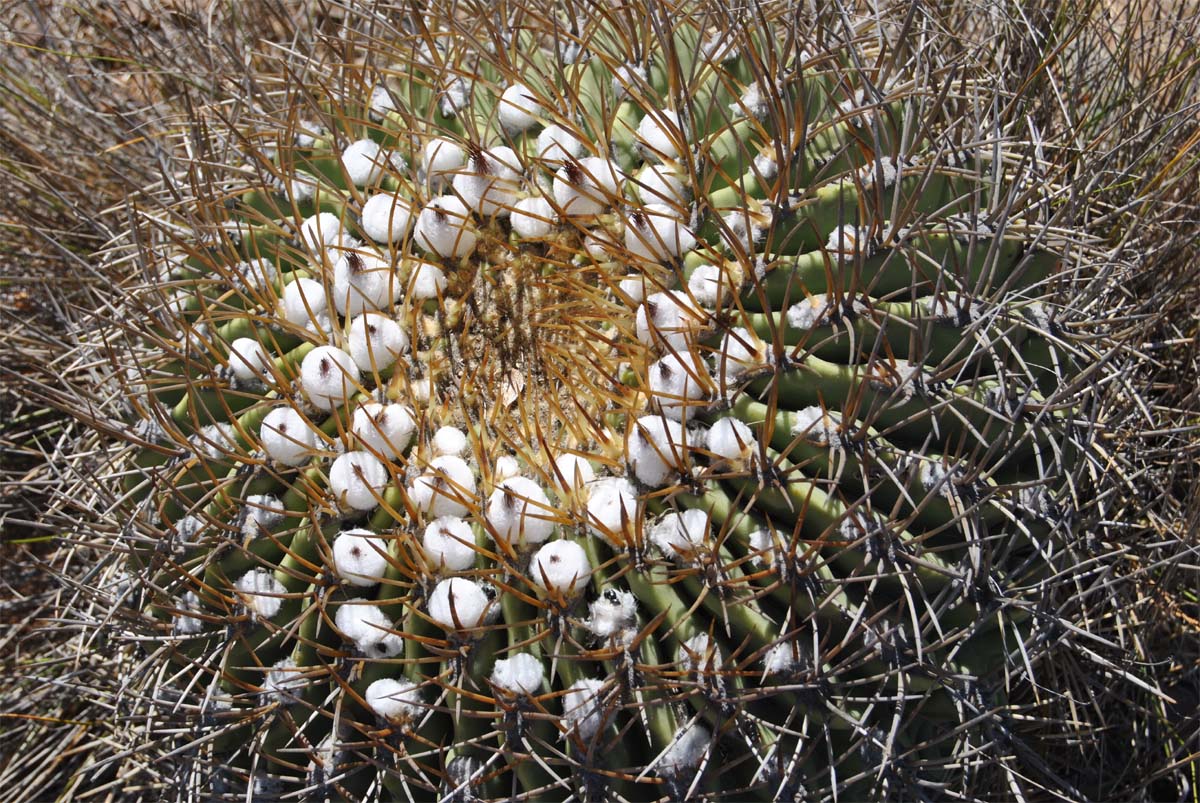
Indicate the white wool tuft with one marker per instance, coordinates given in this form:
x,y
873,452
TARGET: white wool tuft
x,y
586,187
387,217
570,473
583,708
188,625
357,480
660,134
363,281
385,429
260,592
440,158
654,450
322,230
519,109
686,753
611,509
533,218
660,184
522,674
611,612
489,182
706,285
397,701
458,603
329,377
740,351
445,228
763,542
700,654
784,658
506,466
365,163
376,341
846,241
368,628
449,440
262,512
816,426
561,566
303,301
446,488
669,319
732,440
249,360
426,281
360,557
680,535
657,232
677,382
519,512
287,436
449,544
557,144
284,679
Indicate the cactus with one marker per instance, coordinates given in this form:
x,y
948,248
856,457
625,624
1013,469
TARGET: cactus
x,y
571,402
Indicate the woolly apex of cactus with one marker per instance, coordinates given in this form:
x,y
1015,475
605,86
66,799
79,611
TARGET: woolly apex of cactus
x,y
603,397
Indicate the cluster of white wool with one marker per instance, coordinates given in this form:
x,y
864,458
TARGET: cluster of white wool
x,y
521,674
260,513
384,430
445,488
249,360
561,566
357,480
288,437
457,603
449,544
397,701
611,613
360,557
680,535
260,592
584,711
685,754
368,628
329,377
656,450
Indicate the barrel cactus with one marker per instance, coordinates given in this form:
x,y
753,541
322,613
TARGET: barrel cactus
x,y
562,401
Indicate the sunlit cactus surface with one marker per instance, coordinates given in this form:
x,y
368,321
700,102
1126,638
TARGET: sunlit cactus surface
x,y
570,400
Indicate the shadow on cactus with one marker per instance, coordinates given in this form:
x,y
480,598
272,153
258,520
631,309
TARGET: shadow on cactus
x,y
560,401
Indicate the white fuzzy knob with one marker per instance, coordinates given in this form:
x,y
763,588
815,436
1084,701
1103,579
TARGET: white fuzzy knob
x,y
356,480
561,566
397,701
519,512
360,557
387,217
376,341
445,228
522,674
449,544
329,377
458,604
287,436
249,360
385,429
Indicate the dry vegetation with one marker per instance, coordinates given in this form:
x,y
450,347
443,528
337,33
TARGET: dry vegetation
x,y
89,91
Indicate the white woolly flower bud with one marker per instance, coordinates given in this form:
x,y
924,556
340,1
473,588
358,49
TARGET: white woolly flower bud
x,y
368,628
249,360
385,429
490,182
446,488
611,508
583,708
662,184
458,604
449,440
426,281
519,512
519,109
685,754
376,341
570,473
561,566
356,480
846,241
260,592
611,612
520,675
586,187
656,232
680,534
533,218
506,466
444,228
654,450
668,319
676,382
287,437
322,230
397,701
707,285
329,377
303,302
442,157
732,440
362,282
449,544
387,217
634,286
360,557
817,426
364,163
660,135
557,144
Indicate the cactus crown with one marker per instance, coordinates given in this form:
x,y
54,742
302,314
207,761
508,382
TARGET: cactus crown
x,y
562,400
